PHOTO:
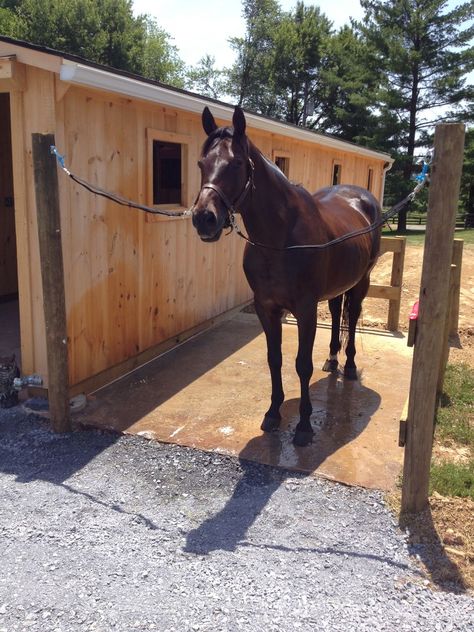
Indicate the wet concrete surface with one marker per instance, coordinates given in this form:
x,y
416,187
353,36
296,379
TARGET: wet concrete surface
x,y
211,394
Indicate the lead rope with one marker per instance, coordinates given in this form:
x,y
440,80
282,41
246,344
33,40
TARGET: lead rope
x,y
118,199
423,178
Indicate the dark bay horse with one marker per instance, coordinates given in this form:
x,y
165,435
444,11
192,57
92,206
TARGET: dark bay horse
x,y
277,214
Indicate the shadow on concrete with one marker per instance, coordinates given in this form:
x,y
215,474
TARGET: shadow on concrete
x,y
336,419
126,400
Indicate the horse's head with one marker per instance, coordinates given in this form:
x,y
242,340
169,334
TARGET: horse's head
x,y
226,175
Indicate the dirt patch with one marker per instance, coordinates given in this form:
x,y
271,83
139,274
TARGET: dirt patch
x,y
375,310
442,539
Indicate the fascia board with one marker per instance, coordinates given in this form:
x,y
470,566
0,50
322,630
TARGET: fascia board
x,y
91,77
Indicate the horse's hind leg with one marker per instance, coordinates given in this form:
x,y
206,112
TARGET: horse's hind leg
x,y
271,323
306,319
354,298
335,307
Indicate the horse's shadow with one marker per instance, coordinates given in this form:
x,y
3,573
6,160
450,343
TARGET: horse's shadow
x,y
337,420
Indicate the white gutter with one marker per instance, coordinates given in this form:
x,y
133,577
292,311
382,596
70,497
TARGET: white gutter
x,y
91,77
387,167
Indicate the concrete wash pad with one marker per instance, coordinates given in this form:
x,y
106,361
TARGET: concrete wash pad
x,y
211,394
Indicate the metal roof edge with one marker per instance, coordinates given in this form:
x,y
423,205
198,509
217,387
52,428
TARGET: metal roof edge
x,y
98,78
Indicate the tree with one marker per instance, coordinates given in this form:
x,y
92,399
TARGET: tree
x,y
349,81
467,178
206,79
250,79
98,30
104,31
425,53
300,46
161,60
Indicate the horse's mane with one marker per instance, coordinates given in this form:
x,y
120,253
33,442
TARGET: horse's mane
x,y
219,133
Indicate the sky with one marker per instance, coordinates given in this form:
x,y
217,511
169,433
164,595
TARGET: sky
x,y
200,28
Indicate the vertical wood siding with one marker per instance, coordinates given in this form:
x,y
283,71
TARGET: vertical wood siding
x,y
132,283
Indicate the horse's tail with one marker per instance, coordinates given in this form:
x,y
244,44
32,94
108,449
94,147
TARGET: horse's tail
x,y
344,328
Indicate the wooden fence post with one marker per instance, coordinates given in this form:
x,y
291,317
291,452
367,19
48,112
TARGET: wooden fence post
x,y
52,276
396,281
458,245
434,290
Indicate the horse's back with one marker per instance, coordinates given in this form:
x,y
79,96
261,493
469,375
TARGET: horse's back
x,y
343,199
346,208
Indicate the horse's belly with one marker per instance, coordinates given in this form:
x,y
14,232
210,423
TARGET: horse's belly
x,y
285,281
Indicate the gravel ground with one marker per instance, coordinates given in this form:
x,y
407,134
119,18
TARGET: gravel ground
x,y
100,532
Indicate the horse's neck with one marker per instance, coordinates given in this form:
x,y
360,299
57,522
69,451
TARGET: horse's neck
x,y
267,210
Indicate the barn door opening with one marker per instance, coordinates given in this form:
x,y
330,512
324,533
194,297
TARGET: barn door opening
x,y
9,310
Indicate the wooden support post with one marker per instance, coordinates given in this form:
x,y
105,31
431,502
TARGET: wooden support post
x,y
434,291
458,245
396,281
445,346
52,275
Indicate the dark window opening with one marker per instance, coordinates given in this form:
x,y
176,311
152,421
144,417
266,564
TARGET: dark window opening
x,y
370,178
283,163
166,172
336,173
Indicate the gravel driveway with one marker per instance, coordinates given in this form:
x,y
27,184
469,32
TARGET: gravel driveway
x,y
101,532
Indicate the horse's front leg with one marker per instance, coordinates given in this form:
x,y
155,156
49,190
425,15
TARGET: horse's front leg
x,y
271,323
306,319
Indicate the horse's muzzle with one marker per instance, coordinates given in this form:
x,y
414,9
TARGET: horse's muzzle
x,y
207,225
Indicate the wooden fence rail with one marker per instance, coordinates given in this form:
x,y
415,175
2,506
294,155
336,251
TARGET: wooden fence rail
x,y
393,292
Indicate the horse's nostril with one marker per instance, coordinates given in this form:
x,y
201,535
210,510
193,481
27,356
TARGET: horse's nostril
x,y
210,219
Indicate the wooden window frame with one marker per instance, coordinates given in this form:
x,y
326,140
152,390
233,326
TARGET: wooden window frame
x,y
370,178
168,137
336,163
277,153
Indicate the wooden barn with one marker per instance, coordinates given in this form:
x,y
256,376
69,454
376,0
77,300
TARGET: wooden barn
x,y
135,284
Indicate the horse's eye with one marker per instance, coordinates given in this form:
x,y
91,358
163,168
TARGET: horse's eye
x,y
200,164
237,162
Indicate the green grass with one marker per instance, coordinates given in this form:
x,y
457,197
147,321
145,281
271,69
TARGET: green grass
x,y
455,417
417,235
453,479
455,427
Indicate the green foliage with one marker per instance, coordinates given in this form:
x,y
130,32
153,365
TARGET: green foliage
x,y
104,31
206,79
467,179
161,60
425,51
300,49
251,77
349,81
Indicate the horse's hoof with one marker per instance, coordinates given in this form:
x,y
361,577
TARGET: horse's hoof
x,y
303,438
270,424
350,372
330,366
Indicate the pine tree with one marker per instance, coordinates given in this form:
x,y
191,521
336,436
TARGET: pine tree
x,y
425,52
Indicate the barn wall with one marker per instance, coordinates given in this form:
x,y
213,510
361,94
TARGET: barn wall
x,y
131,281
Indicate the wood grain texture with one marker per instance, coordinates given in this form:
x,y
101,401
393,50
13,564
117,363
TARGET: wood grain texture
x,y
130,284
52,276
433,311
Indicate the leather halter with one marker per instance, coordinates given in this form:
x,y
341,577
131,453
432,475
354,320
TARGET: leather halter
x,y
231,207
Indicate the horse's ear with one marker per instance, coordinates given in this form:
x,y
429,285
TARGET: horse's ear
x,y
208,121
238,121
